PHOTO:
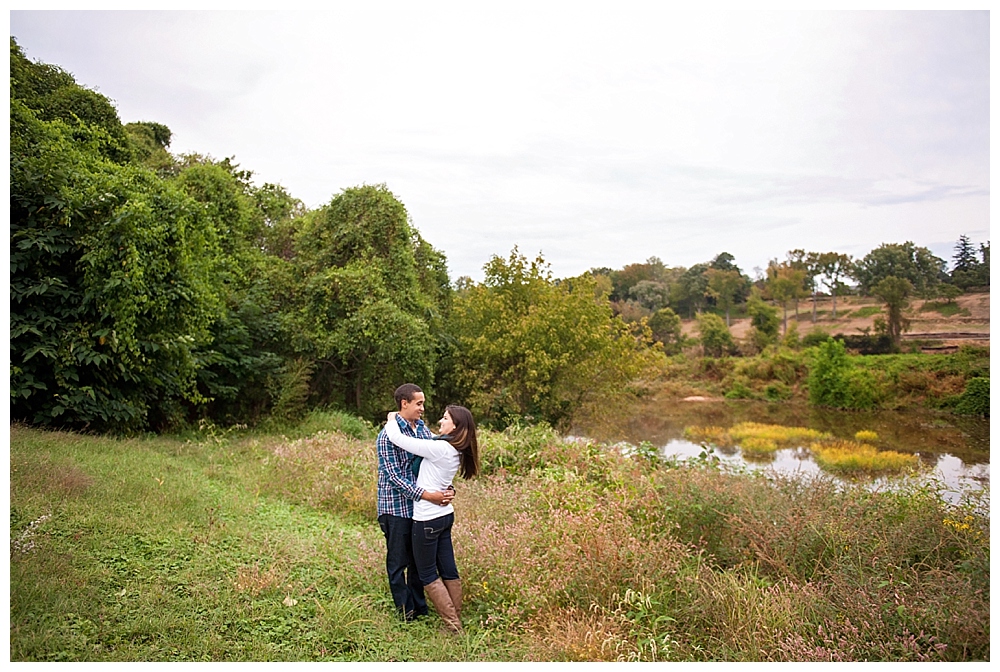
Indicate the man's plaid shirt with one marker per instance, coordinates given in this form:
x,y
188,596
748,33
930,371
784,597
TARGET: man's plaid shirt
x,y
396,487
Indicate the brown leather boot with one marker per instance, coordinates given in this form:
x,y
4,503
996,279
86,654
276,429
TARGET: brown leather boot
x,y
454,587
439,597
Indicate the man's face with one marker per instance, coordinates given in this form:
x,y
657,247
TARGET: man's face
x,y
411,411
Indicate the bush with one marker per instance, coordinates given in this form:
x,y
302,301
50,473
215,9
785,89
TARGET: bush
x,y
815,336
834,382
976,398
715,336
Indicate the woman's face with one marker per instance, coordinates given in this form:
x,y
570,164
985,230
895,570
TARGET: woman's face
x,y
446,424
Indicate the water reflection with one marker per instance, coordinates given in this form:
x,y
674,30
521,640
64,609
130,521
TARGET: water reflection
x,y
950,475
954,450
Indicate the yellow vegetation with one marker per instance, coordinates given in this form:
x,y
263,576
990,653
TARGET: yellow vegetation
x,y
866,435
755,446
851,457
780,434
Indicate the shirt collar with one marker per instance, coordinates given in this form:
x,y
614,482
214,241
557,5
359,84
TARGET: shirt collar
x,y
403,424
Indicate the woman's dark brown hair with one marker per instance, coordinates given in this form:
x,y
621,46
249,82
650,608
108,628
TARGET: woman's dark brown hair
x,y
463,438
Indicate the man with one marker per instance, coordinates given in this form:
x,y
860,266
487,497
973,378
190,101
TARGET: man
x,y
397,491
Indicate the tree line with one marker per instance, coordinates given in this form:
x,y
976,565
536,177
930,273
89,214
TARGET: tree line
x,y
149,290
892,272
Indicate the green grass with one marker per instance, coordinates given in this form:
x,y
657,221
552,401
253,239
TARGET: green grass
x,y
946,308
866,311
246,546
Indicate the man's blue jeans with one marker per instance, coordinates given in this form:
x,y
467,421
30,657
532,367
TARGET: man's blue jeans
x,y
404,582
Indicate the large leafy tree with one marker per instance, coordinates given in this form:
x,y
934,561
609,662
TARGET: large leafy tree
x,y
370,296
690,292
112,283
531,346
907,261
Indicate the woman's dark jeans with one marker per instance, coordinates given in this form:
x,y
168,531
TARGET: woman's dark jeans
x,y
432,549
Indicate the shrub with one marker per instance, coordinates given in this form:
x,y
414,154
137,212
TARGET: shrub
x,y
866,435
976,398
834,382
815,336
715,336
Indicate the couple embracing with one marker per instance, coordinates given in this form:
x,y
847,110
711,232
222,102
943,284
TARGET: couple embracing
x,y
415,472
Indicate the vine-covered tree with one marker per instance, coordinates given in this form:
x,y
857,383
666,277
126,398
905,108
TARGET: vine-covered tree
x,y
365,302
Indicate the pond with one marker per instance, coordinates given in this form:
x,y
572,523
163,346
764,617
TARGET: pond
x,y
954,451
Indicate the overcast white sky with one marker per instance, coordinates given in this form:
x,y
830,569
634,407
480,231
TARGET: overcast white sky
x,y
599,137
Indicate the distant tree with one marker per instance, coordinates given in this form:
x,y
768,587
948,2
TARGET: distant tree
x,y
665,325
764,320
894,292
716,340
723,287
784,283
690,290
949,292
965,254
906,261
805,262
650,294
832,267
969,270
624,280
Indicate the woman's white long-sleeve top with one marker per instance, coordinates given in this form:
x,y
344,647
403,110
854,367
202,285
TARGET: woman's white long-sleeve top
x,y
438,468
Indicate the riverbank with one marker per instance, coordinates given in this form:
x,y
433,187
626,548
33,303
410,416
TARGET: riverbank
x,y
239,545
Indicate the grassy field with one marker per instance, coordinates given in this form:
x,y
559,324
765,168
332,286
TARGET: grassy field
x,y
239,545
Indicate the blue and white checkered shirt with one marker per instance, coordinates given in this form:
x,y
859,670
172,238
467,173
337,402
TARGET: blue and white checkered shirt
x,y
397,489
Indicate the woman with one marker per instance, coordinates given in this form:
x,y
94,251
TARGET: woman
x,y
455,450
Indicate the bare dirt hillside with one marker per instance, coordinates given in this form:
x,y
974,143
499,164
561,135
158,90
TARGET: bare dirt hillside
x,y
968,323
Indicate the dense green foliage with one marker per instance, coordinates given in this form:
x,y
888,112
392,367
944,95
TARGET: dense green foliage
x,y
975,400
528,346
716,340
112,285
835,382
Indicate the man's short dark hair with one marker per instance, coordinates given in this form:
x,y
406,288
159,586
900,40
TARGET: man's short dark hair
x,y
405,391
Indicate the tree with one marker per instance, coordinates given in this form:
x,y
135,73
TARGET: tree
x,y
723,287
715,337
113,281
650,294
969,270
690,290
906,261
806,262
763,320
665,325
894,292
363,304
530,346
784,282
832,266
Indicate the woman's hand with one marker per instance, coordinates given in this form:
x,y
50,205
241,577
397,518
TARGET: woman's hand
x,y
390,416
